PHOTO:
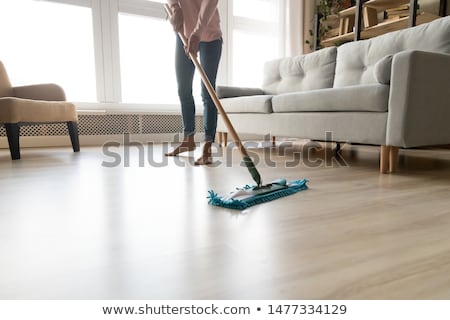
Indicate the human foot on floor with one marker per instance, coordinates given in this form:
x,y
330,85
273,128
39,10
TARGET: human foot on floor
x,y
188,144
206,157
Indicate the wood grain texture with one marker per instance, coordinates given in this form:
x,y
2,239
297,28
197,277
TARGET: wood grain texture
x,y
71,228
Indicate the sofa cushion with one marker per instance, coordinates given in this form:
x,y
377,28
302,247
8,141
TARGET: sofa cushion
x,y
248,104
371,98
355,61
382,70
300,73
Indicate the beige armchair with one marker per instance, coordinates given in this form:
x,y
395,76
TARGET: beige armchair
x,y
35,104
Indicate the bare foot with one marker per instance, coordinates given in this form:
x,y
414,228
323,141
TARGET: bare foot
x,y
206,157
187,145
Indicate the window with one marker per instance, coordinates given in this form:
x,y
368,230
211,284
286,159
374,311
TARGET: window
x,y
255,29
147,47
49,42
250,51
262,10
147,53
122,51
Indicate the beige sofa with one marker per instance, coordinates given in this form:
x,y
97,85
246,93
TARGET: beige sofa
x,y
392,91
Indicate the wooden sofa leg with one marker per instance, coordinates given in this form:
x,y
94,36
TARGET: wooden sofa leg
x,y
274,141
13,132
384,159
73,132
393,159
219,138
225,138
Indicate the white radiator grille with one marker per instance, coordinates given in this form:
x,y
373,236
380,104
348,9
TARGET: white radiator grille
x,y
112,124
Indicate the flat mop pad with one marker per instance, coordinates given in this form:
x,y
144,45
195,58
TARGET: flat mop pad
x,y
248,196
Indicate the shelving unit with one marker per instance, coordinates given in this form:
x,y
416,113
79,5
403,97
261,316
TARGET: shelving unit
x,y
399,24
382,5
361,21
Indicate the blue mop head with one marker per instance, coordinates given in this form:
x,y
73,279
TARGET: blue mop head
x,y
248,196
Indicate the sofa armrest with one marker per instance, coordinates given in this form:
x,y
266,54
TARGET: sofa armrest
x,y
419,101
231,92
47,92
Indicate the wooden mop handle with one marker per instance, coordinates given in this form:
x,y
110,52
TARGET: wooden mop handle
x,y
211,91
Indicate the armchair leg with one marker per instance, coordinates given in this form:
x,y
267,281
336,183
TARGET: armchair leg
x,y
73,132
12,132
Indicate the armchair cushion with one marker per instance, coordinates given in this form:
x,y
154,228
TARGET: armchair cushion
x,y
17,110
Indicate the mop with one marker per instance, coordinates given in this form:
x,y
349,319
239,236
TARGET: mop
x,y
246,196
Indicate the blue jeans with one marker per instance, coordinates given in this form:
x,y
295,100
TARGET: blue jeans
x,y
210,53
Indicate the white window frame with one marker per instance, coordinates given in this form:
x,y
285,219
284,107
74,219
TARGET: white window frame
x,y
105,19
106,44
105,16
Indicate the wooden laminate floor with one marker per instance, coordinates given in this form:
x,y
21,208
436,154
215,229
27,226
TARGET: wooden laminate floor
x,y
71,228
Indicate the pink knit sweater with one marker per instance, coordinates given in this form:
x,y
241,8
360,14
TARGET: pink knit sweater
x,y
202,16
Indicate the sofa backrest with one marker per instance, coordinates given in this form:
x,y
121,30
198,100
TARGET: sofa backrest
x,y
300,73
5,85
355,61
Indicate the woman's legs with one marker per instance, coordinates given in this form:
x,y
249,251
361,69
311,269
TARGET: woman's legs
x,y
210,53
185,74
185,69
